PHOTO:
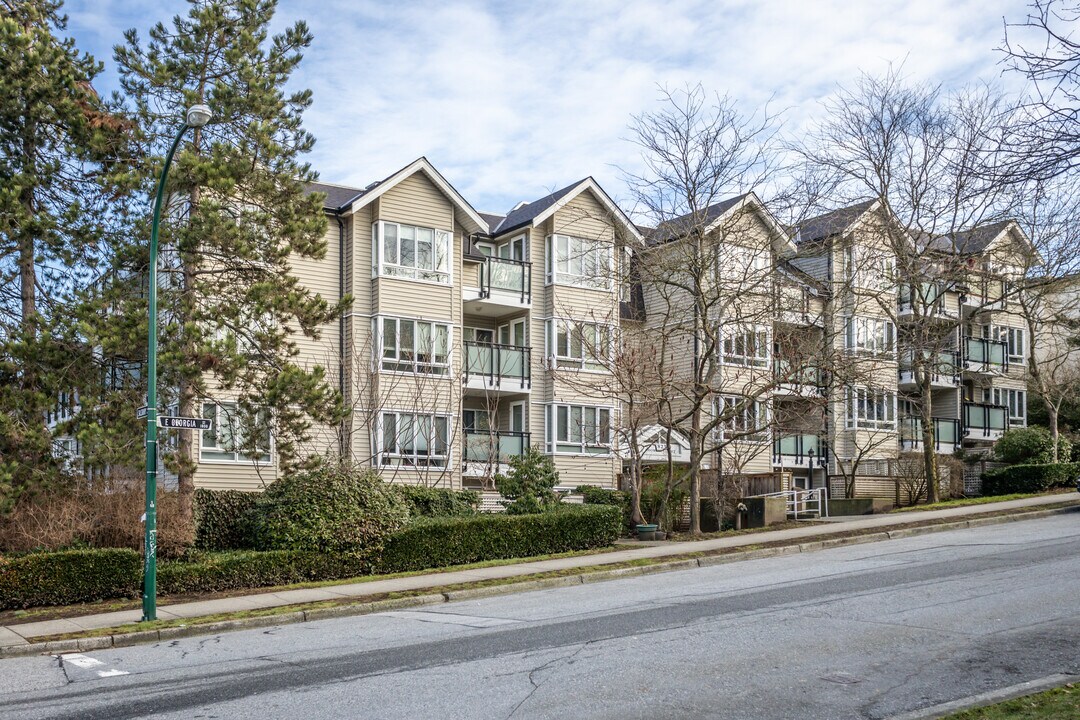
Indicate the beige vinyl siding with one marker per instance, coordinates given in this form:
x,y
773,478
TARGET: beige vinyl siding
x,y
417,201
577,470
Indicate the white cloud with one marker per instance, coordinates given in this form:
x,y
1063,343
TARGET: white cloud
x,y
511,100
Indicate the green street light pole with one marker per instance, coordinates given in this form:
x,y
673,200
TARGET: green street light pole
x,y
196,117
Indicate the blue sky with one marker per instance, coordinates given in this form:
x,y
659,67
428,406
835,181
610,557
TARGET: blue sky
x,y
511,100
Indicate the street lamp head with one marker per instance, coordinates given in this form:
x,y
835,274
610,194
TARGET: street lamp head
x,y
198,115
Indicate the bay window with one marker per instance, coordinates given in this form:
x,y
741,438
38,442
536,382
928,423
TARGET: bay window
x,y
1016,401
226,439
579,344
412,252
871,408
407,439
415,346
869,335
579,261
579,429
747,346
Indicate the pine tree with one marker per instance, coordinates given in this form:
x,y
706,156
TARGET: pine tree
x,y
238,212
58,143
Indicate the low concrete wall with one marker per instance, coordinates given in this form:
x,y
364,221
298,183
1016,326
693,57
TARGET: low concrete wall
x,y
859,506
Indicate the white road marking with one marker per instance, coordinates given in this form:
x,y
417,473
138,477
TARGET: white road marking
x,y
79,660
112,673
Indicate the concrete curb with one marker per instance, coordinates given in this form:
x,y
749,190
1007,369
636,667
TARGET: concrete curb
x,y
366,608
989,698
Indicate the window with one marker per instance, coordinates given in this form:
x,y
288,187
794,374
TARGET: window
x,y
413,439
1016,401
415,346
1013,339
871,335
577,344
746,346
870,408
225,439
579,429
743,418
869,268
416,253
743,263
578,261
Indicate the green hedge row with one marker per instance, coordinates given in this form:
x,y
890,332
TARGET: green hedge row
x,y
75,576
66,577
1029,478
224,519
442,542
437,502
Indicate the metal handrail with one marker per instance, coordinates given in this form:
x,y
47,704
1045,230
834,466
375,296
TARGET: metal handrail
x,y
801,451
914,423
799,501
494,371
987,356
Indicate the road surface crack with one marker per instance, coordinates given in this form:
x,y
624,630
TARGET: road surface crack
x,y
540,668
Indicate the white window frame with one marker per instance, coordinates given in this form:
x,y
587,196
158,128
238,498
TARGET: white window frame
x,y
593,437
564,252
870,409
751,425
398,454
871,335
586,358
868,269
736,342
386,261
1014,339
409,360
743,263
223,414
1016,401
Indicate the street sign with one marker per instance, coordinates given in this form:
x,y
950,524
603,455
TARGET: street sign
x,y
184,423
140,414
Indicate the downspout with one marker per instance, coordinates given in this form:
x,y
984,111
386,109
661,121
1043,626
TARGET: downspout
x,y
343,449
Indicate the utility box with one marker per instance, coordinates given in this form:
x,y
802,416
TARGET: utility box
x,y
764,511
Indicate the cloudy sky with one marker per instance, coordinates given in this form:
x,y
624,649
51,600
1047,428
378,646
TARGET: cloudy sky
x,y
511,100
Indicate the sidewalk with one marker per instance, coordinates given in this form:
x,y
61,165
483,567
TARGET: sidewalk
x,y
25,633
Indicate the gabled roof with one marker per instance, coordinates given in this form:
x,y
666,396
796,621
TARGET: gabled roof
x,y
835,222
977,239
709,219
533,213
360,198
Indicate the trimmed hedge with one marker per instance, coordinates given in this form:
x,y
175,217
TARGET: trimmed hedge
x,y
224,519
75,576
438,502
69,576
593,495
215,572
433,543
1029,478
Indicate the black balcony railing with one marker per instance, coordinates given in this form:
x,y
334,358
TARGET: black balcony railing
x,y
980,419
946,432
507,275
501,366
493,446
945,365
800,448
984,351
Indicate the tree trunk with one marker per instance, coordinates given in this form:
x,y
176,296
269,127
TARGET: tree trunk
x,y
695,473
933,494
1052,419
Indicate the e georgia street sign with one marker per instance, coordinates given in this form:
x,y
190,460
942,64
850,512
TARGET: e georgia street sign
x,y
184,423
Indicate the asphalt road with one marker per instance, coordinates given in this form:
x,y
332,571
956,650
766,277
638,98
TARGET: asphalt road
x,y
866,631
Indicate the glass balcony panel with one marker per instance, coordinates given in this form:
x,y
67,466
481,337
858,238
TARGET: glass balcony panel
x,y
504,274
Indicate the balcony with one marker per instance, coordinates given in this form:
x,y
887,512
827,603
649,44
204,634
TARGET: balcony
x,y
806,381
985,294
984,356
799,451
505,285
932,301
497,369
487,452
944,372
946,434
985,422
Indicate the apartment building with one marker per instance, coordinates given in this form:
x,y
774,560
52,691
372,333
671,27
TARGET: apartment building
x,y
470,336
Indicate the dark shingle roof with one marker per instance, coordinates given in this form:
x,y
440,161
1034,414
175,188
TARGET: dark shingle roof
x,y
524,214
977,239
337,196
492,220
682,225
832,223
